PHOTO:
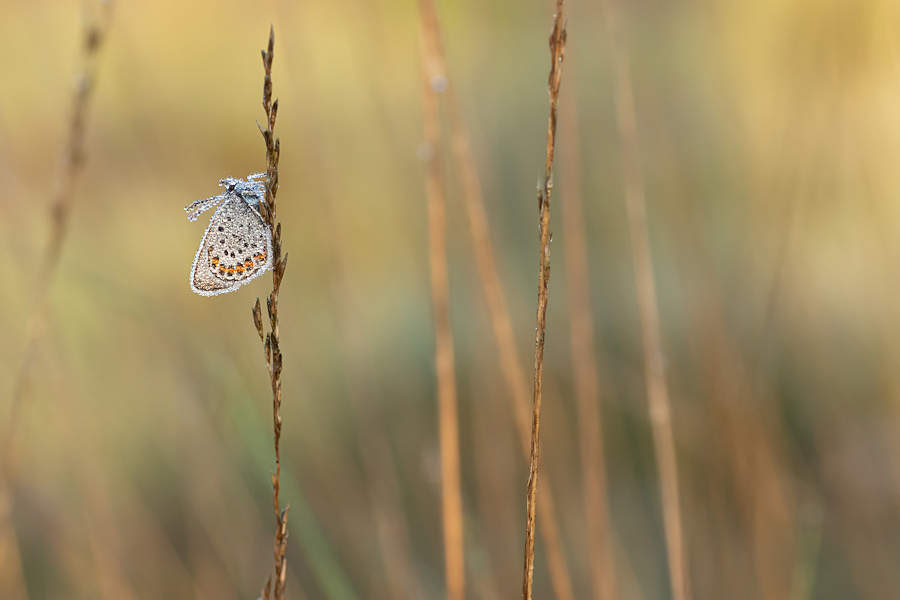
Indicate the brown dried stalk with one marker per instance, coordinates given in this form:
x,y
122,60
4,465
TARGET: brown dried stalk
x,y
270,340
657,391
557,52
448,425
70,166
501,322
584,363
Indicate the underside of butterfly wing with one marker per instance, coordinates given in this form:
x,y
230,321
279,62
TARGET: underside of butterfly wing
x,y
236,248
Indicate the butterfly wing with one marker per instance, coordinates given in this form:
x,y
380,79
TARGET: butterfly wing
x,y
236,248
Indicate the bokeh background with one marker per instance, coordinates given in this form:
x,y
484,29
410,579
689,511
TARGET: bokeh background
x,y
770,144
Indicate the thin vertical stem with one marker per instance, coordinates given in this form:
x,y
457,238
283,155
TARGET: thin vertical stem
x,y
271,339
557,52
501,323
70,166
584,363
448,425
657,391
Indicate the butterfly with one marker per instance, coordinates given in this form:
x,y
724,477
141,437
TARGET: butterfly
x,y
237,244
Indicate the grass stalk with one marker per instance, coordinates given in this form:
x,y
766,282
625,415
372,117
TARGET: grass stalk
x,y
95,27
448,420
270,340
584,362
657,390
71,165
557,52
498,310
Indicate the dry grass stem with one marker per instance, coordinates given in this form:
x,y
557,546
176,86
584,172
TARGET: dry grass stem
x,y
270,340
557,53
657,391
448,425
70,166
501,323
584,362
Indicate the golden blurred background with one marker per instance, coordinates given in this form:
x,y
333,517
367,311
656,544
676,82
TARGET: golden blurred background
x,y
769,135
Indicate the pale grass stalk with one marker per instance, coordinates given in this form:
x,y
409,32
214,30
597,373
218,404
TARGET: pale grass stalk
x,y
501,323
71,164
557,52
271,345
752,452
448,420
654,361
752,443
584,362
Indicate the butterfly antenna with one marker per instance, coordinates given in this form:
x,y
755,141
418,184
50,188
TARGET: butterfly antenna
x,y
197,208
